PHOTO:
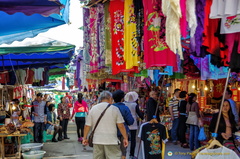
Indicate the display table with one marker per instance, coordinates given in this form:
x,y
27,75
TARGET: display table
x,y
18,136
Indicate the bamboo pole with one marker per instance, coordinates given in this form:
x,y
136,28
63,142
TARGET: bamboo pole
x,y
220,110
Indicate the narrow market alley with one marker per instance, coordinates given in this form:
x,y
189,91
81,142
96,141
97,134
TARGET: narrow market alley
x,y
72,149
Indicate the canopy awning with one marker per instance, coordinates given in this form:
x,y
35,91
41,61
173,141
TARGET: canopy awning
x,y
35,56
27,18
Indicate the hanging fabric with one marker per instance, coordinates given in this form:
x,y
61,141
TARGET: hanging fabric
x,y
156,51
94,49
171,9
108,42
101,36
116,9
131,45
86,39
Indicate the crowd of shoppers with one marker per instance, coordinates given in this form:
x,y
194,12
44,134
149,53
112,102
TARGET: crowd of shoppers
x,y
120,121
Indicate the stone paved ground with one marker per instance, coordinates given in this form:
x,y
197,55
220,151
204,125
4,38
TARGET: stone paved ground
x,y
71,149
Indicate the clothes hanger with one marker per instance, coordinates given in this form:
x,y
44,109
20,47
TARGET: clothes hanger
x,y
153,121
214,143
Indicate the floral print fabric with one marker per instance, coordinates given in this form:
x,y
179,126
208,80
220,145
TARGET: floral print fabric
x,y
156,51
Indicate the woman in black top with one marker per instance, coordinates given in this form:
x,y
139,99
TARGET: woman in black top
x,y
227,124
182,119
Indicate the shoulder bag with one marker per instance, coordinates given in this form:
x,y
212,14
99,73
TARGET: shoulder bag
x,y
192,117
90,138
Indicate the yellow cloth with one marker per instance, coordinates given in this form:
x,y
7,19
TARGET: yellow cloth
x,y
131,45
164,145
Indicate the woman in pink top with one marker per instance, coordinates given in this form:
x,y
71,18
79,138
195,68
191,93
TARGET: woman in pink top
x,y
80,109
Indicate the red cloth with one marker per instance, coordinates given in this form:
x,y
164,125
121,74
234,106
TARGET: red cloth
x,y
4,77
116,10
156,51
218,87
80,107
211,38
29,76
63,83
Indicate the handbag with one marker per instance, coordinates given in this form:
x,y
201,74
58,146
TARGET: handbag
x,y
90,138
202,136
192,118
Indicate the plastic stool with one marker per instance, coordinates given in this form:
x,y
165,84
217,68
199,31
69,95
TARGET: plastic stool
x,y
46,136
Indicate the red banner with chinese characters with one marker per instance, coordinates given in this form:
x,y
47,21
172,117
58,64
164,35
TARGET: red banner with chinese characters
x,y
235,95
218,87
202,103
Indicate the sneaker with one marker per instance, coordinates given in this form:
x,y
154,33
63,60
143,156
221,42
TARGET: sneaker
x,y
54,140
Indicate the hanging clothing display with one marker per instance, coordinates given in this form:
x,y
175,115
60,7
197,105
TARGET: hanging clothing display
x,y
230,24
156,51
189,68
29,77
200,4
183,19
94,49
191,17
154,137
21,75
38,74
224,8
131,45
86,39
108,42
219,153
4,77
101,36
138,10
171,9
116,9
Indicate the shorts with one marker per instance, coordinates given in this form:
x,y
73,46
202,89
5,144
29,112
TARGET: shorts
x,y
106,151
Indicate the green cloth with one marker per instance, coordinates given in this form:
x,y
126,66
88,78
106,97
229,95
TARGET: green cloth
x,y
31,49
177,75
143,73
108,42
80,114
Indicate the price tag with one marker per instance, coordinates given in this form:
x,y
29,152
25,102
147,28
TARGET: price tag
x,y
64,112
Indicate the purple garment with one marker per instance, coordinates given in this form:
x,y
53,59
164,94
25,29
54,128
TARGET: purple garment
x,y
200,5
101,36
86,40
29,7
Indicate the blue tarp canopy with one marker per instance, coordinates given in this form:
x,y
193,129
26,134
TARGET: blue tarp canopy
x,y
35,56
27,18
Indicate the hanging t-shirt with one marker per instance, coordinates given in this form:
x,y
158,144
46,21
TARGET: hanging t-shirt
x,y
224,8
230,24
21,74
130,36
156,51
218,153
38,74
152,136
29,76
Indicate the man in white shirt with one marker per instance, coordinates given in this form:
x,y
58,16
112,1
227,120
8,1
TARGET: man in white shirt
x,y
105,140
228,96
